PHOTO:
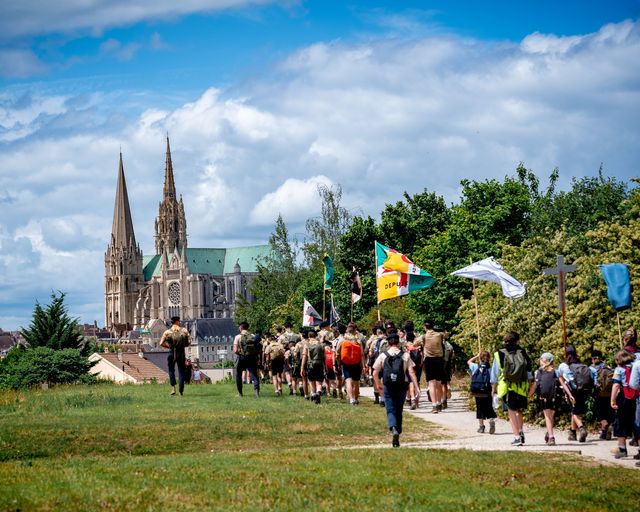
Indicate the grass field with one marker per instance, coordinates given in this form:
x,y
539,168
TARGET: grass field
x,y
136,448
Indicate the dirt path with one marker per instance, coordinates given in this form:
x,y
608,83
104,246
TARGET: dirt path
x,y
460,425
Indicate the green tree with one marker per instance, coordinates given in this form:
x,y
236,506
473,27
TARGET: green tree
x,y
407,225
324,232
52,327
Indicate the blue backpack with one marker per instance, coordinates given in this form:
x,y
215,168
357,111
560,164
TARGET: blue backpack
x,y
480,381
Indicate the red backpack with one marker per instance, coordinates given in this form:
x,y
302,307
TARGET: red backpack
x,y
328,357
350,352
629,392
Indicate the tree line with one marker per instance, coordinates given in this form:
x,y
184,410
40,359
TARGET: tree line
x,y
520,222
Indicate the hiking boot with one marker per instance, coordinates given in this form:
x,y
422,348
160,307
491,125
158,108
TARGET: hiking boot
x,y
341,395
546,437
381,403
633,442
620,453
521,437
414,405
439,406
376,399
352,402
583,434
318,399
609,433
395,438
516,441
290,391
551,441
480,429
435,409
444,405
603,435
572,435
637,456
335,393
492,427
307,397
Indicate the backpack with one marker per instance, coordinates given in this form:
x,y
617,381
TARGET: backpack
x,y
350,352
447,350
393,375
316,355
376,347
328,357
514,368
480,383
296,357
276,351
629,392
546,384
582,380
247,347
605,380
416,356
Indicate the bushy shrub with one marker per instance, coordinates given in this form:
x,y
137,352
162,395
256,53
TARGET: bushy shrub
x,y
23,368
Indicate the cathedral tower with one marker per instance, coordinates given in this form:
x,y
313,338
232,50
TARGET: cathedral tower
x,y
123,262
171,225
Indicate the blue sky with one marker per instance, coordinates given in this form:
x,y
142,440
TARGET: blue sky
x,y
265,99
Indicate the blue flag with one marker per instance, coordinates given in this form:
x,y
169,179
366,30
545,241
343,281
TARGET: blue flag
x,y
616,275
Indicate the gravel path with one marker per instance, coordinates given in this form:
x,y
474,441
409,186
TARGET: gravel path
x,y
460,425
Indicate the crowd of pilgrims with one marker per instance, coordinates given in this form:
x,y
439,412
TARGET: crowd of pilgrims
x,y
334,361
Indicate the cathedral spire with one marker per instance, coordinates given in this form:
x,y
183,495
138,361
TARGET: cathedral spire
x,y
169,185
122,229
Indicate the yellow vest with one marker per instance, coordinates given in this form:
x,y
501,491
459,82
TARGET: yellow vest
x,y
521,388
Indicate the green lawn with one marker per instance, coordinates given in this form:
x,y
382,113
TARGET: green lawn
x,y
136,448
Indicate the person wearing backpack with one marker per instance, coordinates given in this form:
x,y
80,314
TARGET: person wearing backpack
x,y
448,359
414,348
372,348
394,365
313,365
579,386
510,378
480,389
546,384
176,339
246,349
603,380
275,352
330,374
433,343
623,401
349,356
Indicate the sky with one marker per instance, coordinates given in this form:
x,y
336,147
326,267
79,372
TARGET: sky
x,y
263,100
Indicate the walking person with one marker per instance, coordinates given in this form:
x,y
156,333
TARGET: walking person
x,y
394,365
350,356
275,352
176,339
247,349
313,361
197,374
481,390
623,401
577,381
510,377
603,380
433,346
545,385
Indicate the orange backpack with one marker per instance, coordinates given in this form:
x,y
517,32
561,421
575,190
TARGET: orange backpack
x,y
351,352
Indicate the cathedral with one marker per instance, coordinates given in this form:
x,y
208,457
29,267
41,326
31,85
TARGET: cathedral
x,y
177,280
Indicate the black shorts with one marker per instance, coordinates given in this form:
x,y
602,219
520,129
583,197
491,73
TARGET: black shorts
x,y
295,372
625,417
352,371
604,410
580,406
331,375
315,373
515,402
434,368
554,403
484,408
277,366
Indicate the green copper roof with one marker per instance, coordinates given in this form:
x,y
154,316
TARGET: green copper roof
x,y
212,261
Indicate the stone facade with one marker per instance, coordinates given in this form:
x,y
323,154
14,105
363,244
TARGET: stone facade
x,y
177,280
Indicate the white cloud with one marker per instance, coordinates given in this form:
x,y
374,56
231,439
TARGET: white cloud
x,y
378,118
20,63
34,17
295,199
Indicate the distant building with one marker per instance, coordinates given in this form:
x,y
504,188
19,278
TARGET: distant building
x,y
7,341
193,283
92,330
127,367
211,340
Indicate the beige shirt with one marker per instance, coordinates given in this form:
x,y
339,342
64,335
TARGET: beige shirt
x,y
432,344
379,364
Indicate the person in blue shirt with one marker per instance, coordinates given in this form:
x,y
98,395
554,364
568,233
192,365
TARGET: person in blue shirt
x,y
577,397
484,408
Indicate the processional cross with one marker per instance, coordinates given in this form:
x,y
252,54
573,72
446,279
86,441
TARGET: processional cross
x,y
560,270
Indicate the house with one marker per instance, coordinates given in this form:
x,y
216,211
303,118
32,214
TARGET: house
x,y
126,367
7,341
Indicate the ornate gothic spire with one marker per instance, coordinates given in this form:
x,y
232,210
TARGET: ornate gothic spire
x,y
169,185
122,231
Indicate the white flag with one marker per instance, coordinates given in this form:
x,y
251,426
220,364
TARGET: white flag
x,y
490,270
310,316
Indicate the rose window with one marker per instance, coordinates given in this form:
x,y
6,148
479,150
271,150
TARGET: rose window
x,y
174,294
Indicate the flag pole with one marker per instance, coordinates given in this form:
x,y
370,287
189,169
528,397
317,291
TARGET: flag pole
x,y
324,296
619,329
375,269
475,301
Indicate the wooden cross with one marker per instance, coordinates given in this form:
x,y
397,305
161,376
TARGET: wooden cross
x,y
560,270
